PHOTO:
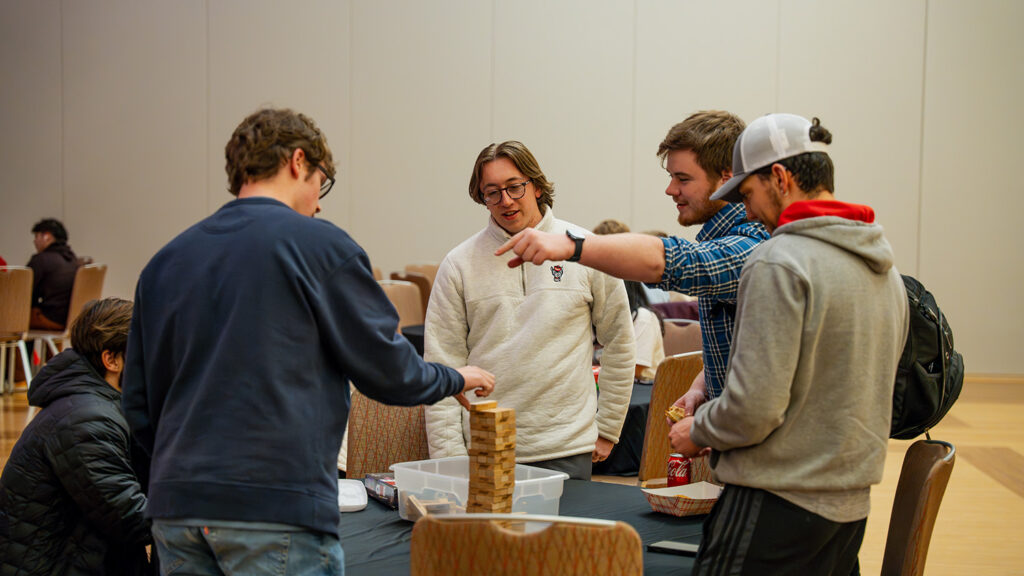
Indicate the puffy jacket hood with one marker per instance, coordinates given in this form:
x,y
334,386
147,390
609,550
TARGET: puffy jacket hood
x,y
864,239
63,250
65,374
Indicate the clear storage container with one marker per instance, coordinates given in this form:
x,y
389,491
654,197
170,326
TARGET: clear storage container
x,y
537,491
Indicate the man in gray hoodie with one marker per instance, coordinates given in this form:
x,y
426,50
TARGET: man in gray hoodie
x,y
799,434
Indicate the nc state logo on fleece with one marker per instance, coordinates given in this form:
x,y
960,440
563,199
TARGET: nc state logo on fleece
x,y
556,273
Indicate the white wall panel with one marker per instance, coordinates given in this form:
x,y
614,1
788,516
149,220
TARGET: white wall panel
x,y
971,247
30,124
134,129
563,86
287,55
114,115
695,56
421,113
859,67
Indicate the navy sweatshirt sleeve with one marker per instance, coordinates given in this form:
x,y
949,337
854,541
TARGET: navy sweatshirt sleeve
x,y
359,329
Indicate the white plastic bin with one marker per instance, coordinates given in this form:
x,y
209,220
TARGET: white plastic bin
x,y
537,490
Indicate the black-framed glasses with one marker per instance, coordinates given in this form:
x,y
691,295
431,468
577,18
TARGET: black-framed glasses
x,y
328,183
515,192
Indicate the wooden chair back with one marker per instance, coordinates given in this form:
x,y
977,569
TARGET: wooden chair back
x,y
380,435
498,545
15,314
923,479
88,286
405,297
672,380
15,300
421,282
428,270
682,337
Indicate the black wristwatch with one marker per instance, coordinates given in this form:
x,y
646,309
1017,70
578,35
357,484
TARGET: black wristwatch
x,y
579,246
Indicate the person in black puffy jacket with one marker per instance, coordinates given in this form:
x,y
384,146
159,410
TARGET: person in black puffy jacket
x,y
70,502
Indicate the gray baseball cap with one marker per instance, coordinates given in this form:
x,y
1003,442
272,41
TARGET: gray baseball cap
x,y
765,141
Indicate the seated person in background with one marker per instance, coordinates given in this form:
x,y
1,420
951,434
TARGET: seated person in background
x,y
531,327
69,499
611,226
648,330
53,274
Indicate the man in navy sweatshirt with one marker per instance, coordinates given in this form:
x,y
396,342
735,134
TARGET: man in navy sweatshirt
x,y
247,330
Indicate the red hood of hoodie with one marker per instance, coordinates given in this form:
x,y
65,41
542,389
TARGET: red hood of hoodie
x,y
812,208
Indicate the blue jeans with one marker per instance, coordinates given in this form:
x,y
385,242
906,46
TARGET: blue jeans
x,y
210,550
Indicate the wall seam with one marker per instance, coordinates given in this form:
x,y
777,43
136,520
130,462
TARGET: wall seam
x,y
633,111
494,59
351,119
209,103
920,159
778,56
63,115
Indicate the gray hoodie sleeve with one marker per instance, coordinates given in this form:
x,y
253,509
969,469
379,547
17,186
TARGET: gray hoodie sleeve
x,y
765,352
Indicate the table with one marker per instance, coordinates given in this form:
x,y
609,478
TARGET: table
x,y
414,333
624,459
376,541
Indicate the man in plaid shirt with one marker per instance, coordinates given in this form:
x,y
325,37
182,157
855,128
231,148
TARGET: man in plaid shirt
x,y
697,154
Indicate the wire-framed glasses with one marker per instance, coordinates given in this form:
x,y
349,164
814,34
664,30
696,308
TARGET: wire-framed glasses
x,y
328,183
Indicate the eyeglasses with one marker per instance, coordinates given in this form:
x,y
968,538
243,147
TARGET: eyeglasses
x,y
328,183
515,192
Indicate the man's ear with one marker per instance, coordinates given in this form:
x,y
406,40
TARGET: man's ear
x,y
295,162
785,178
726,175
112,361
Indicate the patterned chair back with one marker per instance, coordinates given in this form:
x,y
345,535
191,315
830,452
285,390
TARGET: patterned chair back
x,y
497,545
380,435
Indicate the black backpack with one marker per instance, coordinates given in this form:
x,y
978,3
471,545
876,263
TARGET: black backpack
x,y
930,374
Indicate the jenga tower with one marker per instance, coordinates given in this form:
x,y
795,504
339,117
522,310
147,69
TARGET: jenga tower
x,y
492,458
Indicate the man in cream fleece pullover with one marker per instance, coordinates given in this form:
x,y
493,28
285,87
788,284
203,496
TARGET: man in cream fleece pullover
x,y
799,433
531,326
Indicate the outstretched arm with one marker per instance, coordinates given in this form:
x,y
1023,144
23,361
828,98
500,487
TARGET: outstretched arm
x,y
638,257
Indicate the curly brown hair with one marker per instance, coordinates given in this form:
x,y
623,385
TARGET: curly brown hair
x,y
266,139
102,325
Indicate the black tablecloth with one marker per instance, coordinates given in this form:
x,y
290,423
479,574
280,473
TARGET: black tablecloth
x,y
414,334
376,541
624,459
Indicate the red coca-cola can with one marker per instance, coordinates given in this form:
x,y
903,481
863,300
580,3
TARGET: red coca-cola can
x,y
678,470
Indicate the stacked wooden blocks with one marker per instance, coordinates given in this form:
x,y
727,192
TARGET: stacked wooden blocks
x,y
492,458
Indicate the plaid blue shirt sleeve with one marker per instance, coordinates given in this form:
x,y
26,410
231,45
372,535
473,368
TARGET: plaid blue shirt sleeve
x,y
710,270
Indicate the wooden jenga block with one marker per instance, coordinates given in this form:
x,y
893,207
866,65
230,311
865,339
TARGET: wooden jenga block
x,y
484,454
486,405
498,415
495,473
495,444
491,459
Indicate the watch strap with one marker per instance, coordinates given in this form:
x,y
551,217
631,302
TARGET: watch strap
x,y
579,246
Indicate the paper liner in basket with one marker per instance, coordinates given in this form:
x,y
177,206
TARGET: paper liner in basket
x,y
687,500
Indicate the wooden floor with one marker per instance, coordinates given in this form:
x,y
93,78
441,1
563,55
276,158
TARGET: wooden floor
x,y
980,530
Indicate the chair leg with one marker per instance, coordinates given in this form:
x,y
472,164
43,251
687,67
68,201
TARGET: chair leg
x,y
53,346
25,363
3,369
